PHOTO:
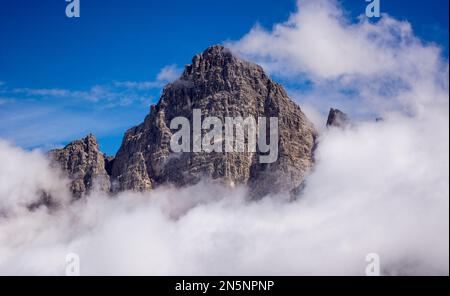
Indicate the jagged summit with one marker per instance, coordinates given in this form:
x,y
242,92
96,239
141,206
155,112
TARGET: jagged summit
x,y
214,59
217,69
220,85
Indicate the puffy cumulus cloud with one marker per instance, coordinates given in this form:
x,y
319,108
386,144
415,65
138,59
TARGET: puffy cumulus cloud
x,y
318,40
25,177
380,63
377,187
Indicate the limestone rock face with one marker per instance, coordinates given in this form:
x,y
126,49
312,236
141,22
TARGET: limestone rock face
x,y
84,164
337,118
220,85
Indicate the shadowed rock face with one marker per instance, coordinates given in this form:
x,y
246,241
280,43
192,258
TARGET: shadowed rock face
x,y
84,164
220,85
337,118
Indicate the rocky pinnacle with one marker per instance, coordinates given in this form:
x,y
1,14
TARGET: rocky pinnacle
x,y
84,164
337,118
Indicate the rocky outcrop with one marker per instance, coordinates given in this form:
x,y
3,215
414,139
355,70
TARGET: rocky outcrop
x,y
84,164
220,85
337,118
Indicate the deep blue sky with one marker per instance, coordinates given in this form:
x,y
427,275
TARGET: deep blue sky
x,y
132,40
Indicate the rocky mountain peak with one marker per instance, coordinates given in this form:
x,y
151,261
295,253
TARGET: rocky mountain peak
x,y
84,164
220,85
337,118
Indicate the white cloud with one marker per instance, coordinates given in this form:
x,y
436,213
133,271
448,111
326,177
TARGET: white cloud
x,y
23,175
96,93
383,62
167,74
381,187
319,41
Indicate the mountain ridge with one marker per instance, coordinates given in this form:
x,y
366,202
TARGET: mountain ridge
x,y
219,84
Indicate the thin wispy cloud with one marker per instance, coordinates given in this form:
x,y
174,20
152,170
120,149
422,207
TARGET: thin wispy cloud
x,y
143,85
91,95
49,116
117,93
4,101
105,94
166,75
169,73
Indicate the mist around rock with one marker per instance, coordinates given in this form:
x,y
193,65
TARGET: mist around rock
x,y
361,198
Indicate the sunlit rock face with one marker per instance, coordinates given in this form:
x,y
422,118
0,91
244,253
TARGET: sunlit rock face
x,y
220,85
